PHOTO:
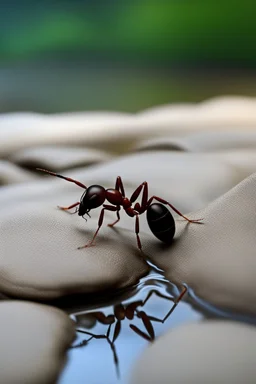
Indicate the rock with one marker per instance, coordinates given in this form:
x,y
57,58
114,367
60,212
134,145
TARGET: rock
x,y
39,258
58,158
217,258
34,341
206,352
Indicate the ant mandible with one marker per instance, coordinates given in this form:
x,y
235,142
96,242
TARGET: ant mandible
x,y
159,218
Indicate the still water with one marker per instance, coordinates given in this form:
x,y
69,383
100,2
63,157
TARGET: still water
x,y
100,360
94,362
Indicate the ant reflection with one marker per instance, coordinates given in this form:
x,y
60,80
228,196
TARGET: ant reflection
x,y
129,311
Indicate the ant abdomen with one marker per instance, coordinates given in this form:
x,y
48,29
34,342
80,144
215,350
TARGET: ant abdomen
x,y
161,222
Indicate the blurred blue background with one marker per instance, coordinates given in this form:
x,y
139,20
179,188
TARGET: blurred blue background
x,y
125,55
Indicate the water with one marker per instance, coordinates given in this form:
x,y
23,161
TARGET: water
x,y
95,362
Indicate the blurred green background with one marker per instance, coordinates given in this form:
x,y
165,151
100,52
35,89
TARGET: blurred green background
x,y
75,55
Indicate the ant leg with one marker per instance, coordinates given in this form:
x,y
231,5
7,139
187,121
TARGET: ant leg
x,y
176,302
137,230
71,206
118,218
93,335
139,332
111,343
170,205
82,343
147,319
157,293
147,324
119,185
108,208
117,330
140,208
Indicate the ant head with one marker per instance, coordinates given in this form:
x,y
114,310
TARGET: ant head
x,y
92,198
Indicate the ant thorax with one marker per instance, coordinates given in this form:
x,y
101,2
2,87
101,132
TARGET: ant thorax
x,y
114,196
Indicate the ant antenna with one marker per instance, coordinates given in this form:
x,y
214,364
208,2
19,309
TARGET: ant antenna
x,y
62,177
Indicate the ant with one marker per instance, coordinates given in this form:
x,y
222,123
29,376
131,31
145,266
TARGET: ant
x,y
159,218
129,311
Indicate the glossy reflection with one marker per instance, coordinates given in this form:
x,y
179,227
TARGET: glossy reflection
x,y
96,361
108,358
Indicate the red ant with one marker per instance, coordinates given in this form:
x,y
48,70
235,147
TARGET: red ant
x,y
159,218
129,311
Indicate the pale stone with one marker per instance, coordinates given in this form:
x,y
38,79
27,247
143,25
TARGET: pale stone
x,y
212,352
22,130
217,257
12,174
209,141
34,342
39,256
58,158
